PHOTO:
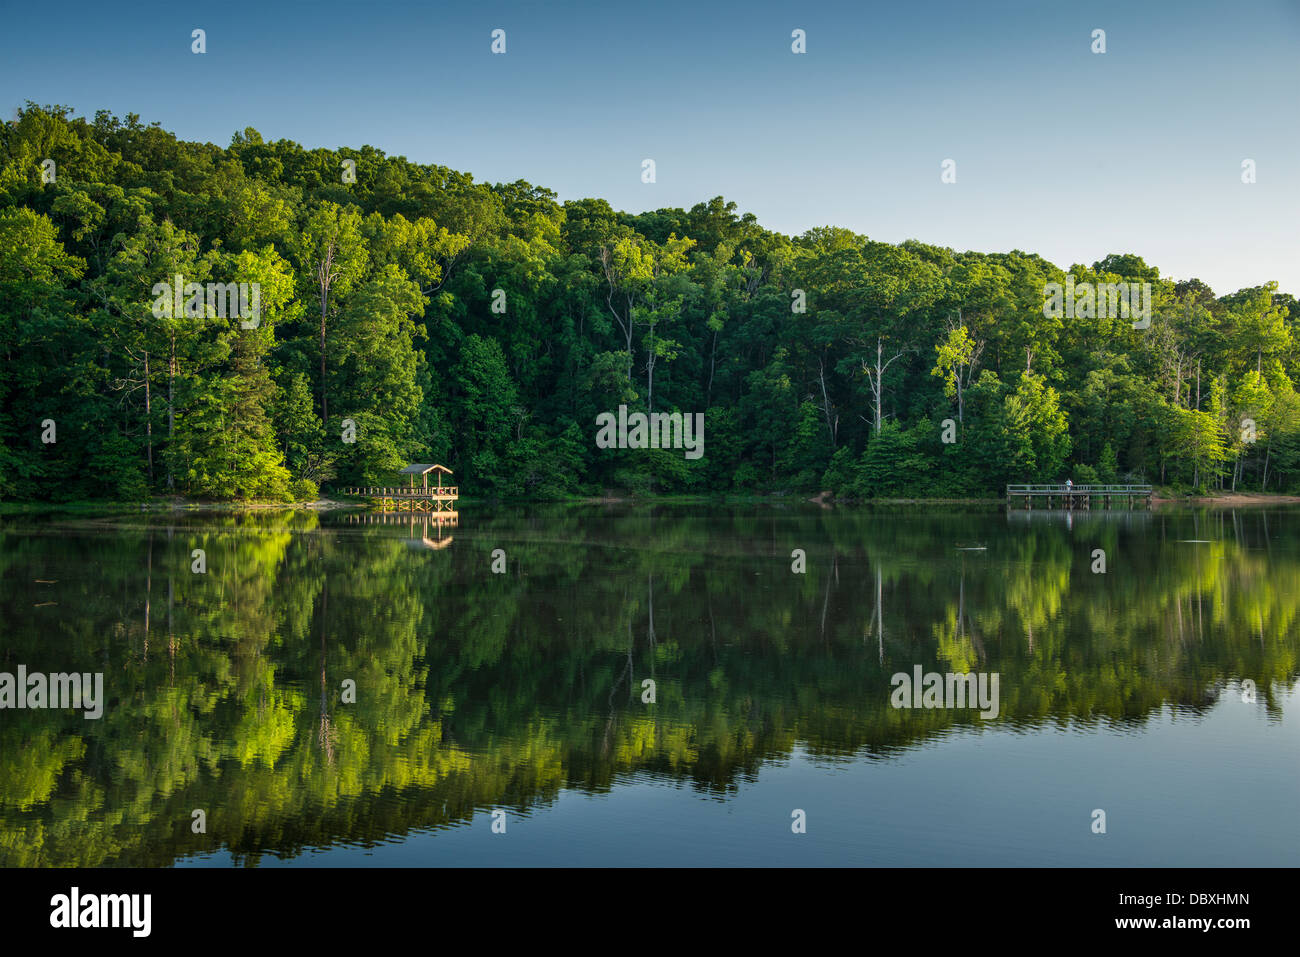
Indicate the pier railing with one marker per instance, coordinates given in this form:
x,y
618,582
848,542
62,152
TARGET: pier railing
x,y
405,491
441,501
1059,495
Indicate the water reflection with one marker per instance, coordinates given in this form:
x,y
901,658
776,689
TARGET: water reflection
x,y
344,679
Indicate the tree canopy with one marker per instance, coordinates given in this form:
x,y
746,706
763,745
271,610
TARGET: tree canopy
x,y
487,325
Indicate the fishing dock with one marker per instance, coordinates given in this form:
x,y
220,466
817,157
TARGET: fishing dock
x,y
1081,497
438,499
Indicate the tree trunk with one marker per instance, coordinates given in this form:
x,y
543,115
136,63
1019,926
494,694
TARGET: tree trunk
x,y
876,376
325,274
148,417
171,407
713,358
826,400
324,398
650,370
626,325
879,386
628,332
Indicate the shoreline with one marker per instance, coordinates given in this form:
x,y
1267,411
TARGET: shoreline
x,y
1230,498
824,500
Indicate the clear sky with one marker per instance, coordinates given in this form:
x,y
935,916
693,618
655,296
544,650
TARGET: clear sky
x,y
1058,150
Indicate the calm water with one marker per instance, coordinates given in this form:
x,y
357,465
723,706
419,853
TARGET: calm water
x,y
522,692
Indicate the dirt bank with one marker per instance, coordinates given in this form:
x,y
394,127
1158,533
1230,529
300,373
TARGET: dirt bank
x,y
1233,499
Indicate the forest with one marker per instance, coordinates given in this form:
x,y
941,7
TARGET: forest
x,y
407,314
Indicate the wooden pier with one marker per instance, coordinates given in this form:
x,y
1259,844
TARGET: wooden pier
x,y
439,500
1081,497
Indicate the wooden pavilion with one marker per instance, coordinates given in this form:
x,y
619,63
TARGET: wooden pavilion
x,y
440,499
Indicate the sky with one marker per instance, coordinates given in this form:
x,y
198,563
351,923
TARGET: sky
x,y
1058,150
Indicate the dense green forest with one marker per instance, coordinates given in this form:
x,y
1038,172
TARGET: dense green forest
x,y
486,326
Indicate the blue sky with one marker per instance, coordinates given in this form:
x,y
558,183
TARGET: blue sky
x,y
1059,151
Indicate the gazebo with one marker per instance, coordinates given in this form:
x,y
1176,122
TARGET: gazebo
x,y
416,498
423,471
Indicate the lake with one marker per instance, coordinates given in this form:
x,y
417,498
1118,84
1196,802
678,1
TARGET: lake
x,y
655,685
